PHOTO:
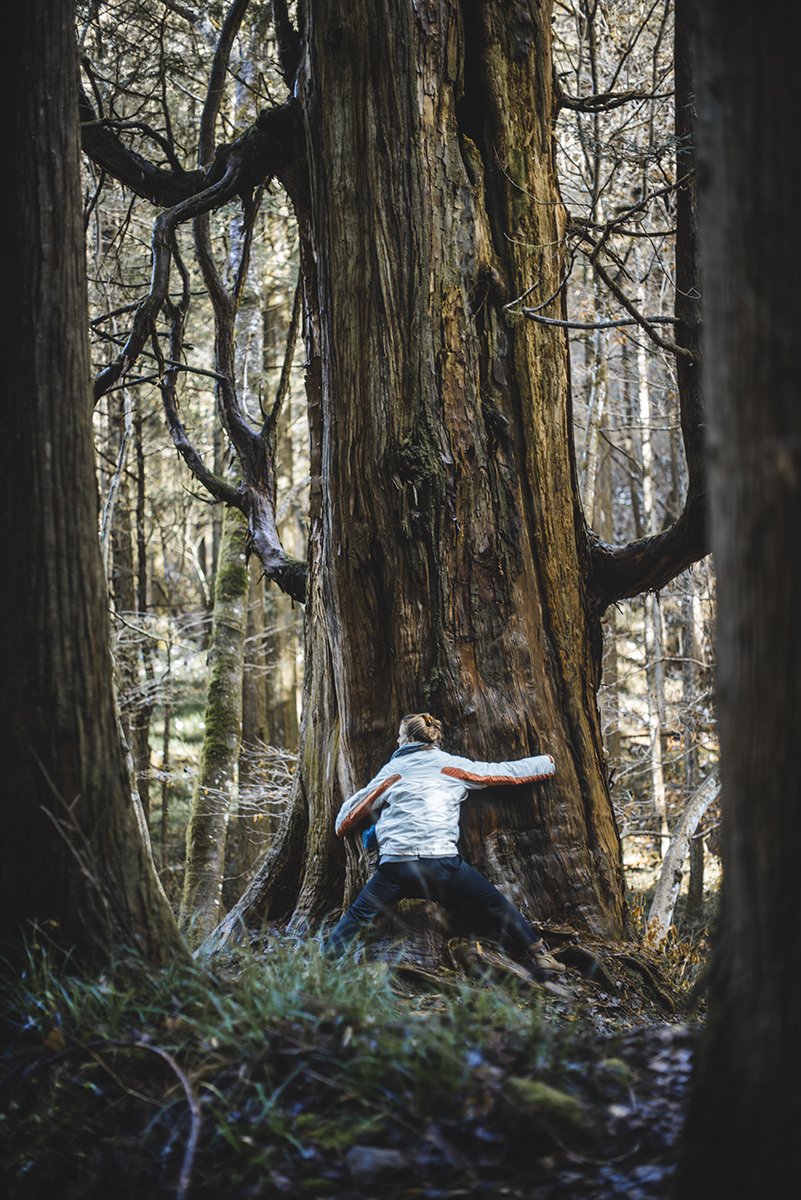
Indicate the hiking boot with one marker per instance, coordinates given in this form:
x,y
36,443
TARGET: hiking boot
x,y
542,961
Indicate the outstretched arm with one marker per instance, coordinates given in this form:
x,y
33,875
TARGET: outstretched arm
x,y
494,774
364,802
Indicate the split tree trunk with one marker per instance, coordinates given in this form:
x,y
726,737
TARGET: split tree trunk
x,y
448,554
72,861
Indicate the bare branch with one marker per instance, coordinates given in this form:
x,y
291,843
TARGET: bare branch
x,y
606,101
533,315
191,1100
639,318
650,563
283,384
219,488
232,415
181,10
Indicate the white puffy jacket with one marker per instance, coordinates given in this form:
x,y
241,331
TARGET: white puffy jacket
x,y
417,794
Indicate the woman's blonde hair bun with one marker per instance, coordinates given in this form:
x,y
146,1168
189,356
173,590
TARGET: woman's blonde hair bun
x,y
421,727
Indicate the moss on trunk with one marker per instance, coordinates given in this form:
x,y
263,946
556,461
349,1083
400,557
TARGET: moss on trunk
x,y
211,804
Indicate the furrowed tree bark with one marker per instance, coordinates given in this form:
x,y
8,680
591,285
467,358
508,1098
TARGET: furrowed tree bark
x,y
211,804
449,559
742,1135
73,865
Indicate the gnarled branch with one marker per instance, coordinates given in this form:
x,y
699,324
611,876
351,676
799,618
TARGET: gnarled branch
x,y
163,230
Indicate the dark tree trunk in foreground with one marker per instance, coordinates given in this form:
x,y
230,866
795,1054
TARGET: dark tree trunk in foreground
x,y
72,860
449,554
743,1137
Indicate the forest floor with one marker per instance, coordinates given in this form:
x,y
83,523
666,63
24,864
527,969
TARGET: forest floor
x,y
621,1056
274,1073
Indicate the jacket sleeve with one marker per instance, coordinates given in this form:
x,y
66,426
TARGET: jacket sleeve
x,y
364,803
494,774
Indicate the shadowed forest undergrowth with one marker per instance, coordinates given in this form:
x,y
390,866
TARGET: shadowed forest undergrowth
x,y
274,1072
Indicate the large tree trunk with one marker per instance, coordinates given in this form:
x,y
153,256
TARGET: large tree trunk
x,y
72,860
448,555
742,1138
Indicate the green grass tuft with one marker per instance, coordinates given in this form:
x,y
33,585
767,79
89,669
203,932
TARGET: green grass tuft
x,y
262,1068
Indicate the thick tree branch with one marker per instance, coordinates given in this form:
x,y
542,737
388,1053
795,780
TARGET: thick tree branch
x,y
265,150
288,573
650,563
288,41
243,164
148,130
104,148
216,87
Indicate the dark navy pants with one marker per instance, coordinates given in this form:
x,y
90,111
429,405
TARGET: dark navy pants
x,y
446,880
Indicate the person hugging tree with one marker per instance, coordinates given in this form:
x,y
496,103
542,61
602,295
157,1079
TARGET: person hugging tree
x,y
416,799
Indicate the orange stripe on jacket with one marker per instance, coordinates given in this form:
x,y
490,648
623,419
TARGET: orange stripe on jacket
x,y
492,780
362,809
